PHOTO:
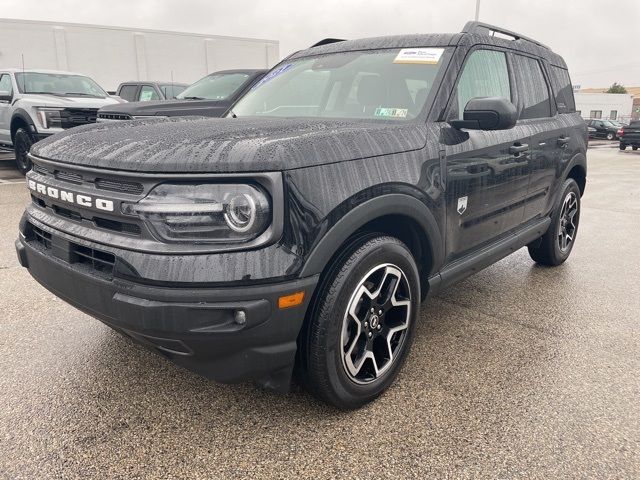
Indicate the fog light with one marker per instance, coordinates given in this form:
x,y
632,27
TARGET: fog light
x,y
240,317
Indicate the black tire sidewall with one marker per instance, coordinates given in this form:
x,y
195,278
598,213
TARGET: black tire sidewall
x,y
332,311
570,185
22,137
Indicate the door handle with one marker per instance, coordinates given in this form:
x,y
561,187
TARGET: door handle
x,y
518,148
562,141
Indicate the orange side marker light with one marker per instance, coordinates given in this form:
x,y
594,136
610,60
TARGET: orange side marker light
x,y
291,300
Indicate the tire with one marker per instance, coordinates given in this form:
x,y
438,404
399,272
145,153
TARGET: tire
x,y
553,248
349,351
22,142
634,148
611,136
623,146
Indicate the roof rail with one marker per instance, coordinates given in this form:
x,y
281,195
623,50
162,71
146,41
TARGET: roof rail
x,y
486,29
327,41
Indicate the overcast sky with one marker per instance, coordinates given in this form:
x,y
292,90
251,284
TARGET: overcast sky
x,y
598,39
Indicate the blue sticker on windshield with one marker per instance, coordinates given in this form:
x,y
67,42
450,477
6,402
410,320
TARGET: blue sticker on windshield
x,y
273,74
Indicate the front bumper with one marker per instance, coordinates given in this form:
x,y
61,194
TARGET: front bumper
x,y
195,327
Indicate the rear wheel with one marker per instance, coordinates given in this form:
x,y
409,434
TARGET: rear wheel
x,y
555,246
634,148
623,146
22,142
361,326
611,136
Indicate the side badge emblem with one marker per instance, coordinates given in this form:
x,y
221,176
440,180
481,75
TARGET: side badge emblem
x,y
462,205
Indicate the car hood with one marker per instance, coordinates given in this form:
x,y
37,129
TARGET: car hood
x,y
162,107
70,102
195,144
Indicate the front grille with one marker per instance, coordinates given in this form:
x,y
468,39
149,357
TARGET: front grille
x,y
68,176
65,212
72,253
99,261
41,170
41,237
72,117
122,227
114,116
119,186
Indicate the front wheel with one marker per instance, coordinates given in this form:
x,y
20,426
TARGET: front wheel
x,y
623,146
634,148
555,246
360,328
22,142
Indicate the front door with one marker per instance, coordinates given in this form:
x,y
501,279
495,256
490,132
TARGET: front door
x,y
487,172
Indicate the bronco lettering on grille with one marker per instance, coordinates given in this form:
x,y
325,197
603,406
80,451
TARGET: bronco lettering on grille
x,y
71,197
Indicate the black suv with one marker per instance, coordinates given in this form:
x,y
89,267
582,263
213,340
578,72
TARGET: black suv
x,y
604,129
629,135
300,234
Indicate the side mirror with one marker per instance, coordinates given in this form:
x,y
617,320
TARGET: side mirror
x,y
5,96
487,113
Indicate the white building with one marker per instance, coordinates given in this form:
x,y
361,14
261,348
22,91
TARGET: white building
x,y
111,55
610,106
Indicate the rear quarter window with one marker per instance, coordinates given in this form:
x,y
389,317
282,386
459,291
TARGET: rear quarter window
x,y
533,91
563,90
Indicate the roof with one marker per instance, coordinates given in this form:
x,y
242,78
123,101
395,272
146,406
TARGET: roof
x,y
474,33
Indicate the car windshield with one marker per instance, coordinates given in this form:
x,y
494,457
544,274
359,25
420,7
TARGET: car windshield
x,y
218,86
391,84
608,124
171,90
60,84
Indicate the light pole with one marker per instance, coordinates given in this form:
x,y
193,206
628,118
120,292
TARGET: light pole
x,y
477,10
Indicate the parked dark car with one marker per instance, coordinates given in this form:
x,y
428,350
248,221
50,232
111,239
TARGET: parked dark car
x,y
604,129
301,233
210,96
629,135
149,91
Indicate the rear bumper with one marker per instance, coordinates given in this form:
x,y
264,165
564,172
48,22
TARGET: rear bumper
x,y
197,328
634,140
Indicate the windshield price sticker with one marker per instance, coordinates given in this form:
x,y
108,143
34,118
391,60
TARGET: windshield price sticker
x,y
425,56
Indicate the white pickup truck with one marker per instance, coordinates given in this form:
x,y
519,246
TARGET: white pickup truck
x,y
37,103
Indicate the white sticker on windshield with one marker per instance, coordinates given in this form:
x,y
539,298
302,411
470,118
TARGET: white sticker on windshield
x,y
428,56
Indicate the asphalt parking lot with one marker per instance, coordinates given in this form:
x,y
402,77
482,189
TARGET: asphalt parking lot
x,y
517,372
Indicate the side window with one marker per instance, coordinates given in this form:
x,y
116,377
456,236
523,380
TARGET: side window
x,y
563,90
147,93
128,92
532,88
5,83
485,74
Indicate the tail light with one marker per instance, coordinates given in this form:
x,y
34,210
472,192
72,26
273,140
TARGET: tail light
x,y
620,132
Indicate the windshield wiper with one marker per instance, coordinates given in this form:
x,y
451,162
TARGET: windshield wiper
x,y
233,114
192,98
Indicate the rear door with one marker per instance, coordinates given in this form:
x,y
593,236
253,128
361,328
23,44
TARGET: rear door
x,y
487,172
538,114
128,92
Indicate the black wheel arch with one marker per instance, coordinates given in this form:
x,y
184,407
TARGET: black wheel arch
x,y
577,169
21,118
395,214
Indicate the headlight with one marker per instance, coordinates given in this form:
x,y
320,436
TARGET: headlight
x,y
49,117
204,213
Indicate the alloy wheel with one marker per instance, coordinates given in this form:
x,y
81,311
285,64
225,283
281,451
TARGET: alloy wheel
x,y
376,323
568,222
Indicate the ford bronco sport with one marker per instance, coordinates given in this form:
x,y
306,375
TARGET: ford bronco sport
x,y
299,235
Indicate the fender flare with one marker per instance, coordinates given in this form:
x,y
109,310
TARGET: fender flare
x,y
579,159
22,114
390,204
